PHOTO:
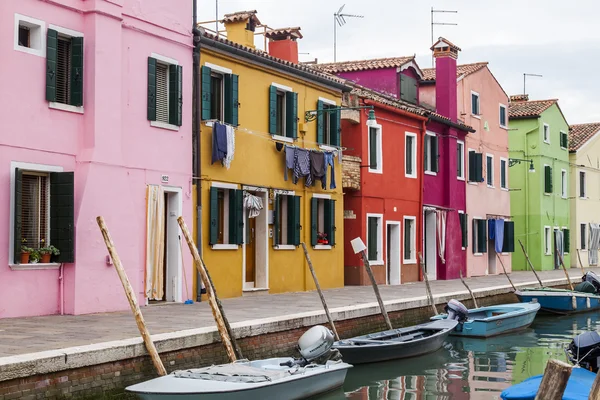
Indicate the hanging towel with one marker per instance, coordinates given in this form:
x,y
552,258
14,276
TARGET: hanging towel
x,y
491,228
219,142
230,133
559,245
441,234
302,166
290,153
329,161
498,235
317,168
253,204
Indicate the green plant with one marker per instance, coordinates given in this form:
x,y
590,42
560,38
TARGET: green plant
x,y
25,249
49,250
34,256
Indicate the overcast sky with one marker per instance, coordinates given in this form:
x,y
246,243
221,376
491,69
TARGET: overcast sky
x,y
554,38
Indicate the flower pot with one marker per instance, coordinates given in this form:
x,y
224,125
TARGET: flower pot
x,y
24,258
45,258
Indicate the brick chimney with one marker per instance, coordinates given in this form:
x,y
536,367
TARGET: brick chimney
x,y
516,98
445,54
283,44
240,27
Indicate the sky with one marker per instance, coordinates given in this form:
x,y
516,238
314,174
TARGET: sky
x,y
553,38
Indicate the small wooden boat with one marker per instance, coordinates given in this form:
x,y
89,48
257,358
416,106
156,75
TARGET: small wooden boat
x,y
490,321
579,386
394,344
560,301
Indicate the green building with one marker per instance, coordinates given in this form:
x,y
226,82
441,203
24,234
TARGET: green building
x,y
539,179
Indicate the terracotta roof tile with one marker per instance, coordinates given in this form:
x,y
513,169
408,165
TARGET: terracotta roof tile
x,y
579,134
362,65
519,97
527,109
464,69
241,16
278,33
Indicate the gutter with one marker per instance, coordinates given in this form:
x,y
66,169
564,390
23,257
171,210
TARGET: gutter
x,y
444,121
395,110
196,142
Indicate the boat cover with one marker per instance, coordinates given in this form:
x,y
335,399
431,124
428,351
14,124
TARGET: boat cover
x,y
578,387
240,373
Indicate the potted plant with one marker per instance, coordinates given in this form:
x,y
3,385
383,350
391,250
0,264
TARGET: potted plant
x,y
34,256
25,251
47,252
322,238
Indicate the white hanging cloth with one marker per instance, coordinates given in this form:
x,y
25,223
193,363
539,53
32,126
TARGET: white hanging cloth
x,y
441,233
594,244
155,242
253,204
560,246
230,146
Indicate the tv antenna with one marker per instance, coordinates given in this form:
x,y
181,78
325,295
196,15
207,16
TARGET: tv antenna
x,y
439,23
525,75
339,18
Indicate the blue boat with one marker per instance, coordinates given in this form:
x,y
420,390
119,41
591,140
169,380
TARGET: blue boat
x,y
560,301
489,321
578,387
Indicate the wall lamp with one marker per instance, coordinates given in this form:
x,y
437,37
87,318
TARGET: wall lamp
x,y
312,114
515,161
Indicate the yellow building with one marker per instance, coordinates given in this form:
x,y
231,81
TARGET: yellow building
x,y
584,193
265,99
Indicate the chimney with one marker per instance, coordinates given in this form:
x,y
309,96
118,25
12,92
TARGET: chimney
x,y
283,44
517,98
445,54
240,27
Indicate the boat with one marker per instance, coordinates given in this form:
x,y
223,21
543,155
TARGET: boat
x,y
395,344
579,386
584,351
489,321
318,370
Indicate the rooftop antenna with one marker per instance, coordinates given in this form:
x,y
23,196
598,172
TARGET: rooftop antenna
x,y
439,23
338,18
217,18
525,75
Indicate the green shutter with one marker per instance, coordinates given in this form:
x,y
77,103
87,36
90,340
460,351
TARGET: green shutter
x,y
62,215
77,71
151,89
320,121
206,93
403,92
502,173
372,238
314,220
373,148
408,88
508,244
291,114
463,229
474,237
567,240
277,219
479,167
293,222
547,179
434,154
51,57
330,221
472,169
272,110
17,216
227,101
175,94
214,215
235,99
482,234
335,129
236,216
408,142
465,238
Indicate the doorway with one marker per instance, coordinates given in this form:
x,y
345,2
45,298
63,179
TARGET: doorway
x,y
393,253
255,248
430,244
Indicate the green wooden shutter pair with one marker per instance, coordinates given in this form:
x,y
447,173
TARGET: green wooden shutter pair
x,y
372,238
330,221
76,84
291,115
508,244
564,141
293,220
314,220
273,110
434,154
320,122
175,94
567,240
231,99
236,216
373,148
206,96
547,179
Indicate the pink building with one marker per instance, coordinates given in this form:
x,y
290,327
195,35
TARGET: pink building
x,y
93,125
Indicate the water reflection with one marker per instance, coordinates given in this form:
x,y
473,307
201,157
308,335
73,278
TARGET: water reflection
x,y
468,368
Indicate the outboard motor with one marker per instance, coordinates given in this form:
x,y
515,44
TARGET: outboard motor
x,y
456,310
315,346
584,350
593,279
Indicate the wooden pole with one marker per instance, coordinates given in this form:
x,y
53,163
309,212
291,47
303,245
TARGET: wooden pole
x,y
506,273
530,264
580,263
595,392
137,313
427,287
469,289
225,338
554,381
562,263
314,275
376,289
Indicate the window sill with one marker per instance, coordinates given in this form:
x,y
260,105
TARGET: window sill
x,y
225,246
410,176
491,186
280,138
164,125
30,50
547,194
430,173
563,148
472,183
460,178
563,197
582,198
548,254
546,142
284,247
463,248
584,250
322,247
65,107
32,267
476,116
409,262
504,127
375,171
505,189
325,147
478,254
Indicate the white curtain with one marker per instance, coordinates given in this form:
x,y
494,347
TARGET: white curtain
x,y
155,242
441,233
594,243
558,240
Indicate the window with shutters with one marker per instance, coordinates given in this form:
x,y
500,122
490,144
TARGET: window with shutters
x,y
323,229
479,235
548,182
508,244
165,92
547,240
410,240
475,110
503,173
563,183
582,185
328,123
283,112
564,140
463,219
64,69
220,94
546,133
475,166
489,170
29,35
582,236
35,204
409,89
431,160
226,217
375,239
410,155
216,96
503,116
567,239
460,160
375,149
286,221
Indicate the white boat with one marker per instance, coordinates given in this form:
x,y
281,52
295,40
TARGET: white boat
x,y
319,370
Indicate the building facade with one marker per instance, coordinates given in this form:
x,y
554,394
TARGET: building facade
x,y
538,144
92,129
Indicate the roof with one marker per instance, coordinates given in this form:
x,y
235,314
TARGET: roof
x,y
445,41
239,16
461,70
529,109
283,32
362,65
580,134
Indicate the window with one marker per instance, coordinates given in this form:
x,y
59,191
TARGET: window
x,y
547,179
563,183
431,153
283,111
409,89
479,236
582,236
43,213
547,240
410,247
286,220
322,222
582,185
564,140
475,103
546,129
375,238
220,94
328,123
226,216
489,170
375,149
410,151
503,116
508,244
475,166
29,35
24,36
463,218
460,160
567,239
164,92
64,69
503,173
280,127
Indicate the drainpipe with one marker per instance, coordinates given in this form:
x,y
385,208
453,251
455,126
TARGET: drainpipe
x,y
196,142
422,169
61,282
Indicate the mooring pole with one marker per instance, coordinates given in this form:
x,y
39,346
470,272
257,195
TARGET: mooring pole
x,y
468,288
506,273
530,264
554,381
427,287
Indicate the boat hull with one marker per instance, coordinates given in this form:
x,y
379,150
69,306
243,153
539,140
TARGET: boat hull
x,y
561,301
578,387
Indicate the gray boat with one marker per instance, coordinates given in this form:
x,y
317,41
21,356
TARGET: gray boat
x,y
319,370
395,343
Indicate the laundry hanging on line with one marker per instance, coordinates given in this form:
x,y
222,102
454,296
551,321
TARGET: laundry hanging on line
x,y
309,164
223,144
253,204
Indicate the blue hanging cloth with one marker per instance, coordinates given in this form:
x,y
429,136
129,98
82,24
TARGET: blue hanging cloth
x,y
491,228
499,235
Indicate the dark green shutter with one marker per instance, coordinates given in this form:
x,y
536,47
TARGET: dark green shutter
x,y
508,244
314,220
474,237
236,216
277,219
479,167
77,71
291,114
482,234
548,179
214,215
320,121
434,153
62,215
463,228
51,56
502,173
408,142
235,99
567,240
175,94
227,101
17,216
231,99
330,221
151,89
272,110
293,222
408,88
472,167
372,148
372,238
335,128
403,92
206,93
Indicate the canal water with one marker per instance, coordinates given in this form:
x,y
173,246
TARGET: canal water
x,y
468,368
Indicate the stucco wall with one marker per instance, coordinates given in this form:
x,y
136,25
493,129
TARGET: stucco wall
x,y
382,80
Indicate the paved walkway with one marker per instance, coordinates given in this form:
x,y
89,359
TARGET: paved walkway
x,y
29,335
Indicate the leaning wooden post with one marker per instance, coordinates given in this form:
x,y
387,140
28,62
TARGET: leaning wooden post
x,y
562,263
530,264
314,275
506,273
209,289
595,392
554,381
580,263
468,288
139,318
359,247
427,287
